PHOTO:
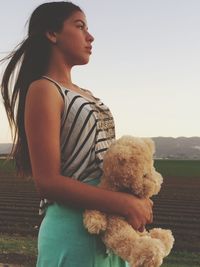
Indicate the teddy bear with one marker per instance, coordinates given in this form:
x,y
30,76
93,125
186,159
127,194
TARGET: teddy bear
x,y
128,166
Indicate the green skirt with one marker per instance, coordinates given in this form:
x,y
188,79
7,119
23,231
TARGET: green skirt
x,y
63,241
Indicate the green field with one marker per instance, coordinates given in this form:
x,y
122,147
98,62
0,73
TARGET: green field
x,y
7,166
178,168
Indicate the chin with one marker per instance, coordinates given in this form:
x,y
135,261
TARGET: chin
x,y
82,61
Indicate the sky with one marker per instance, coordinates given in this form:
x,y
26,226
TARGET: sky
x,y
144,66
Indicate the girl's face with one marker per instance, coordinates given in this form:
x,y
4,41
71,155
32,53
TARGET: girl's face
x,y
74,40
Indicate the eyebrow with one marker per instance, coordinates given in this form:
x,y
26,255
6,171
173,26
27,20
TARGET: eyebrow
x,y
80,20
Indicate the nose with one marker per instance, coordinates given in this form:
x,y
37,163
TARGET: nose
x,y
90,37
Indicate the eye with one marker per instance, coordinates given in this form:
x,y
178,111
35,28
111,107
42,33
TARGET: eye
x,y
80,26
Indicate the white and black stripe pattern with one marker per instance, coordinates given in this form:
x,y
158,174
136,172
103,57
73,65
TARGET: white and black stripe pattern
x,y
87,130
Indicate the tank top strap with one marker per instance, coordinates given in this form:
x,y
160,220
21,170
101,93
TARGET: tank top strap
x,y
56,83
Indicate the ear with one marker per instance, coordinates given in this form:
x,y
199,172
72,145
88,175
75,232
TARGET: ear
x,y
51,36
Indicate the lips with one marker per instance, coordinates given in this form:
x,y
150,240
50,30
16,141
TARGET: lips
x,y
89,48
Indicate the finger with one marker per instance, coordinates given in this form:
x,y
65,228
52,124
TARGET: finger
x,y
151,218
141,229
151,202
134,225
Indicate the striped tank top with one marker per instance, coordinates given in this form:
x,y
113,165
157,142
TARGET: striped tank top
x,y
87,130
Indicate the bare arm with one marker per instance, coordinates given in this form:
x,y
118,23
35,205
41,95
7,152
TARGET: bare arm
x,y
43,109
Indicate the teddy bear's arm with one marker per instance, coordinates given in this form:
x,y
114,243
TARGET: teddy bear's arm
x,y
95,221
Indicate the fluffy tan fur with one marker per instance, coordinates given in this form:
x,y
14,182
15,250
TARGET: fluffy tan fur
x,y
128,166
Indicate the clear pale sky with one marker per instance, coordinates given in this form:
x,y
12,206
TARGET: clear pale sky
x,y
145,63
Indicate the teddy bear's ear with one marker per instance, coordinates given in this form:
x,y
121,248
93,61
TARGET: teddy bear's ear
x,y
150,144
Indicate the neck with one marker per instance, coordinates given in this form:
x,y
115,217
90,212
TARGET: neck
x,y
59,70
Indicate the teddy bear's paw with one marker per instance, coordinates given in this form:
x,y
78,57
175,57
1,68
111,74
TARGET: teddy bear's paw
x,y
166,237
95,221
147,252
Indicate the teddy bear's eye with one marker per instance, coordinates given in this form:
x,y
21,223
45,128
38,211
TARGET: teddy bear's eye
x,y
145,175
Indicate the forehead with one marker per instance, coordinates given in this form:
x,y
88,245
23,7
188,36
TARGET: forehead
x,y
77,16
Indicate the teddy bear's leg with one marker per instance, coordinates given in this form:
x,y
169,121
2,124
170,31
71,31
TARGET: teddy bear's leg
x,y
119,237
124,241
147,252
95,221
165,236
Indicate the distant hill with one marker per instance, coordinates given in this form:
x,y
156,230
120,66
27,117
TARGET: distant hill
x,y
166,147
177,148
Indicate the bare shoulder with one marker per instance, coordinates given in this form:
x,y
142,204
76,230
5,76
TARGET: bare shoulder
x,y
44,90
44,86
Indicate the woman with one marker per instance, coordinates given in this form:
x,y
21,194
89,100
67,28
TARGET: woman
x,y
62,133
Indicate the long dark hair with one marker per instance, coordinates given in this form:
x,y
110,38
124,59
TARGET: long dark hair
x,y
28,62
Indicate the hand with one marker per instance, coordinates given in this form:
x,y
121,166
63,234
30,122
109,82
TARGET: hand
x,y
138,212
